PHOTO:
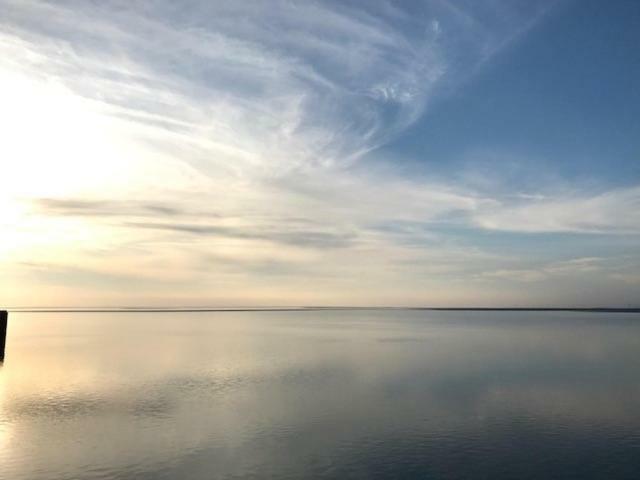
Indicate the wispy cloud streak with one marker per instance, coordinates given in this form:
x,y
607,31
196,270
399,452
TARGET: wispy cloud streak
x,y
264,86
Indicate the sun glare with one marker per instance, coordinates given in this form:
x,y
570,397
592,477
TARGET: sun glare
x,y
50,138
54,145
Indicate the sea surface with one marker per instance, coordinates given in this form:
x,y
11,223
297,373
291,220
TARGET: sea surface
x,y
321,394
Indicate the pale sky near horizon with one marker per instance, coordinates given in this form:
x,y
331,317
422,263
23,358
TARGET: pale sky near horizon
x,y
284,152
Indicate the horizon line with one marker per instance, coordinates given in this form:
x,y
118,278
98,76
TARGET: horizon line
x,y
300,308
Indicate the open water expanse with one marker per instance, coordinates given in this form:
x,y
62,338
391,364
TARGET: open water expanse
x,y
321,394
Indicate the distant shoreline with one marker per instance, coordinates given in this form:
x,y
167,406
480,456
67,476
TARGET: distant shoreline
x,y
311,308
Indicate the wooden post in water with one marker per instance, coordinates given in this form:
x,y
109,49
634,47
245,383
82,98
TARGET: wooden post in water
x,y
3,332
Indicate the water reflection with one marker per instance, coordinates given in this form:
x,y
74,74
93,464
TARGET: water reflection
x,y
321,394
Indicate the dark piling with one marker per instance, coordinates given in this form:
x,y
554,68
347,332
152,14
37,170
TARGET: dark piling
x,y
3,332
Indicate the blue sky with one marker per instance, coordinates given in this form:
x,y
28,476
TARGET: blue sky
x,y
564,98
438,152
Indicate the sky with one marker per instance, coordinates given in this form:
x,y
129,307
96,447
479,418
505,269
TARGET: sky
x,y
290,152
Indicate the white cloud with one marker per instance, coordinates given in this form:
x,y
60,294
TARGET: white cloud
x,y
572,267
264,85
613,212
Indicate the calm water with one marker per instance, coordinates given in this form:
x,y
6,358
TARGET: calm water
x,y
355,394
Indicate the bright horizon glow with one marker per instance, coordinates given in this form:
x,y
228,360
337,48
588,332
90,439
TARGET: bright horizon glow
x,y
308,154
